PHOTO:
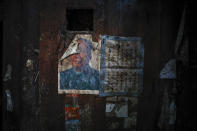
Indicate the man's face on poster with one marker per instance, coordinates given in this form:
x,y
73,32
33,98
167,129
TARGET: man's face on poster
x,y
82,58
76,75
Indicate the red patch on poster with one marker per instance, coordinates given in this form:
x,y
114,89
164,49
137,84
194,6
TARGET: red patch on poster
x,y
72,112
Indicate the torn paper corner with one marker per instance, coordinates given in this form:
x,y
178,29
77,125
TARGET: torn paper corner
x,y
29,64
8,73
169,70
109,107
117,110
73,47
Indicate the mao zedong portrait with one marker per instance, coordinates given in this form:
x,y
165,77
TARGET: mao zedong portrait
x,y
81,76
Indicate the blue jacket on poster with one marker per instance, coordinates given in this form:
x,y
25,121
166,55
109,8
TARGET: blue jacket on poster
x,y
88,79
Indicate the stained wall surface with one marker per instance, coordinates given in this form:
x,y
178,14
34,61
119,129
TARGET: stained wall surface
x,y
31,34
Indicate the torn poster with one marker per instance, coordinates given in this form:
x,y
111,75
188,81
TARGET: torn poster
x,y
8,74
72,112
121,112
78,68
169,70
9,100
120,106
121,66
72,125
117,110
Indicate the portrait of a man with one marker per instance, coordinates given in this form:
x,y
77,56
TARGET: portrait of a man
x,y
81,76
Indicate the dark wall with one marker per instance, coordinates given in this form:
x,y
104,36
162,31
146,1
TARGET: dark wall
x,y
37,105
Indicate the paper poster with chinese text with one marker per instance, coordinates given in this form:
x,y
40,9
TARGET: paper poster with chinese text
x,y
121,66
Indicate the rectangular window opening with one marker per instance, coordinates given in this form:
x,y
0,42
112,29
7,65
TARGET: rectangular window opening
x,y
79,19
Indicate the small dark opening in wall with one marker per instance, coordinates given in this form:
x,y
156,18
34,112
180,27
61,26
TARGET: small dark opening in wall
x,y
79,19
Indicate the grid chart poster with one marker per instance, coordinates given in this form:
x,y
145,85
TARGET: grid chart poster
x,y
121,65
